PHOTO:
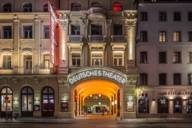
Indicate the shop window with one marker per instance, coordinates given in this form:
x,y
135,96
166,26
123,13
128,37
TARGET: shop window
x,y
163,105
143,104
7,7
75,7
27,7
189,104
7,62
48,101
27,95
177,105
6,100
45,8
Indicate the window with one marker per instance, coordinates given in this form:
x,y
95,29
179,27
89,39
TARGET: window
x,y
143,104
177,105
189,104
6,100
48,101
28,62
45,8
27,32
46,61
162,79
190,79
162,57
46,32
143,16
75,30
177,79
144,36
6,62
189,16
176,57
97,59
96,29
143,58
7,32
162,16
163,105
76,59
190,57
27,7
162,36
190,36
75,7
177,16
177,36
117,29
118,59
95,4
7,7
143,79
27,95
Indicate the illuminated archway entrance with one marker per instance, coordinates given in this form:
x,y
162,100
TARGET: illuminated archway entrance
x,y
97,97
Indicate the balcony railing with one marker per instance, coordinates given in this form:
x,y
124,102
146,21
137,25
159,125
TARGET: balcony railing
x,y
75,38
119,38
96,38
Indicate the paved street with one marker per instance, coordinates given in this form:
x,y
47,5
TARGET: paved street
x,y
100,123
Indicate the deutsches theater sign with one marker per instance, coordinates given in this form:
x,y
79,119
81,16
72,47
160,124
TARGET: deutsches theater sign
x,y
97,72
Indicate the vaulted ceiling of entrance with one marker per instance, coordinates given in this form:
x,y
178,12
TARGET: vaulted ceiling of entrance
x,y
103,87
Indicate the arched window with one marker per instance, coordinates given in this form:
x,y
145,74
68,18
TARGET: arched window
x,y
143,104
7,7
163,105
6,101
177,105
189,104
45,8
95,4
27,7
27,96
48,101
75,6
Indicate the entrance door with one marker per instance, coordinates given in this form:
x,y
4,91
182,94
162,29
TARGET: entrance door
x,y
96,98
48,102
27,95
6,102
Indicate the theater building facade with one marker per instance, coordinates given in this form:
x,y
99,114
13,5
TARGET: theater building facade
x,y
71,59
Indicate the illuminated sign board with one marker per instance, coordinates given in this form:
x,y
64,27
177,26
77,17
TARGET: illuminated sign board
x,y
97,72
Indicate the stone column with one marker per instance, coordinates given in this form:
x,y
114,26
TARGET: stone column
x,y
36,48
63,50
16,58
130,29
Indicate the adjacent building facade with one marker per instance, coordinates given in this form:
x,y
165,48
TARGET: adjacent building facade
x,y
69,58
